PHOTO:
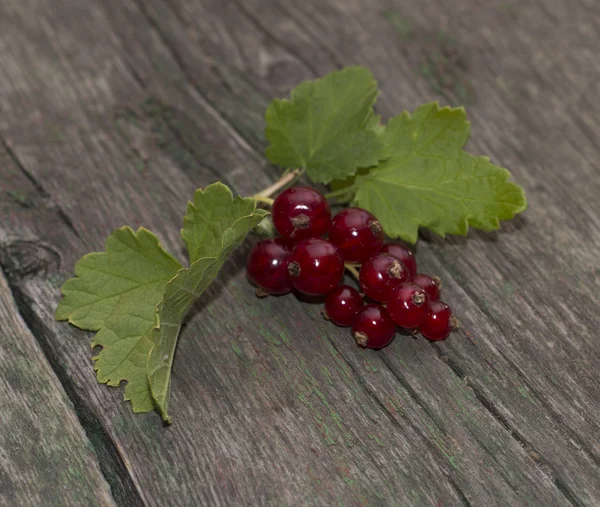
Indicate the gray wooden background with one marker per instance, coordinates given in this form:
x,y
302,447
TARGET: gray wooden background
x,y
113,112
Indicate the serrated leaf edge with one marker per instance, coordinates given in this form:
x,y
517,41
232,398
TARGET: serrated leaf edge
x,y
463,227
75,322
287,102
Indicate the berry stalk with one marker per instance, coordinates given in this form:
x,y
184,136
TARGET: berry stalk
x,y
286,179
352,270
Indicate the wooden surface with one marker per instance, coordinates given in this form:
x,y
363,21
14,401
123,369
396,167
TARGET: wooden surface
x,y
112,112
45,456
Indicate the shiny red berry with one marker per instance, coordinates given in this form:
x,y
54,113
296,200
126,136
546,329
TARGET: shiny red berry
x,y
403,253
300,213
438,322
380,274
342,304
373,327
408,305
267,265
357,233
316,266
430,284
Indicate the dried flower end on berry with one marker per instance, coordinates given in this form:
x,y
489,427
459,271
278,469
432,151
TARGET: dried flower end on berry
x,y
380,274
357,233
342,304
315,266
439,322
267,266
373,327
430,284
403,253
300,213
408,305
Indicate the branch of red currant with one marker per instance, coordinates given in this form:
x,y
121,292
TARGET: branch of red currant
x,y
301,259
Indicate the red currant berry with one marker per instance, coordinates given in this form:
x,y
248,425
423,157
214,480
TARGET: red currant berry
x,y
403,253
373,327
267,265
342,304
357,233
316,266
438,322
408,305
300,213
380,274
430,284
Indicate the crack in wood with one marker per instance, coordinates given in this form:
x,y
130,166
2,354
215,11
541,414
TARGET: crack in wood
x,y
110,461
547,407
459,492
391,417
38,186
486,403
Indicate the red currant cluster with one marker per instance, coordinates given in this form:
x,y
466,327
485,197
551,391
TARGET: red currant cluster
x,y
300,259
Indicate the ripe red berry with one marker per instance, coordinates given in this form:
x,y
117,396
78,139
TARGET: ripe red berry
x,y
430,284
267,265
342,304
380,274
438,322
408,305
300,213
403,253
316,266
357,233
373,327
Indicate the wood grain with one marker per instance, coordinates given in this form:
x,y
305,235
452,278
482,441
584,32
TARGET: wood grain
x,y
45,456
114,112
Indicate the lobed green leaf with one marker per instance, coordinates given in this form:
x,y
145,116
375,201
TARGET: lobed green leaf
x,y
116,293
327,127
429,180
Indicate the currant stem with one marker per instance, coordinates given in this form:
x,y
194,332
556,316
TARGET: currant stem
x,y
286,178
265,200
341,191
351,269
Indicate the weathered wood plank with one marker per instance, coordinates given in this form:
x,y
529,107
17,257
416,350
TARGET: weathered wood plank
x,y
196,460
353,43
448,423
45,455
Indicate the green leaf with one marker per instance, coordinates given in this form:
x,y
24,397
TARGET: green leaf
x,y
116,293
375,124
211,213
236,218
323,128
430,181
